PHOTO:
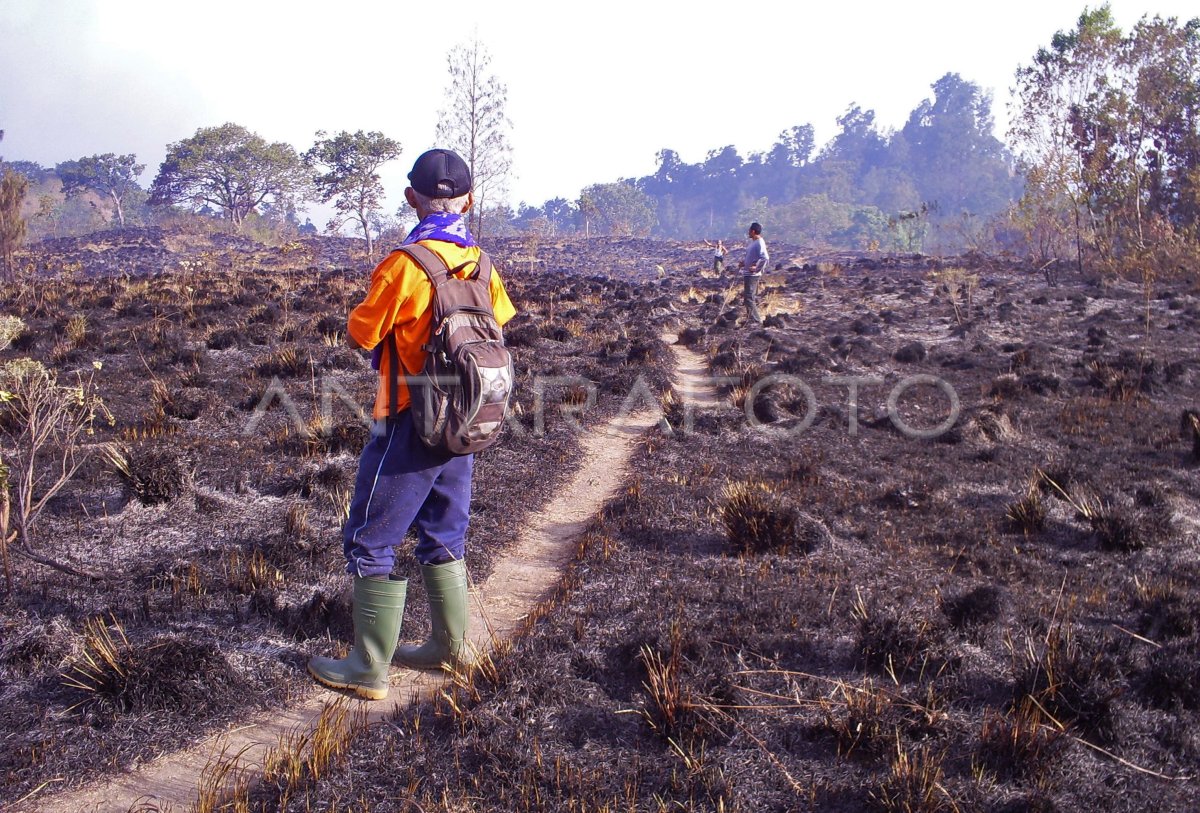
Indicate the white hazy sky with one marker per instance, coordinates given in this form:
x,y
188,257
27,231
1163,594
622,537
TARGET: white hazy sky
x,y
595,90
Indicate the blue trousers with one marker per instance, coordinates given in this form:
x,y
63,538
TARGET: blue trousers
x,y
400,481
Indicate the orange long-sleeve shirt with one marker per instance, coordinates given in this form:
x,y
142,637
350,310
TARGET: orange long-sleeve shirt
x,y
399,297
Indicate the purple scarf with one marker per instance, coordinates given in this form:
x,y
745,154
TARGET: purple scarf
x,y
448,228
444,226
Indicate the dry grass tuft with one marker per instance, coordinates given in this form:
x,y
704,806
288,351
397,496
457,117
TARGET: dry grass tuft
x,y
891,642
664,685
303,757
1028,514
246,574
165,674
286,362
973,609
758,520
1068,682
861,718
153,474
1021,744
914,784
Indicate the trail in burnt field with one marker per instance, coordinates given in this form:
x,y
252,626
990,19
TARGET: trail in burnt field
x,y
517,583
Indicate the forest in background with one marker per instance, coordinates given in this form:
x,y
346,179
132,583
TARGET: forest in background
x,y
1101,164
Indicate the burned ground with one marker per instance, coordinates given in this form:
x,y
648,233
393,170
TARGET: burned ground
x,y
936,550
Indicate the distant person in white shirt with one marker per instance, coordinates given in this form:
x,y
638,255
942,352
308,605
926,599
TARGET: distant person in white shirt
x,y
752,268
719,252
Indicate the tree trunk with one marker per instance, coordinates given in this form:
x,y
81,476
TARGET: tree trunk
x,y
120,212
366,227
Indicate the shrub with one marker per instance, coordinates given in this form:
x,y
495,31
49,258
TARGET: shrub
x,y
45,423
11,327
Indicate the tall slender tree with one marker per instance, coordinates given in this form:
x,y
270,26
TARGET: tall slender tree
x,y
475,124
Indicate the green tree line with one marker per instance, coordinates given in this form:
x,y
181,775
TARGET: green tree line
x,y
1101,164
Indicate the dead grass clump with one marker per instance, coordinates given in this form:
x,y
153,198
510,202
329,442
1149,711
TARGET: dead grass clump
x,y
1118,383
1119,526
327,478
1070,683
898,645
1117,523
973,609
286,362
1172,677
224,339
684,700
331,328
153,474
325,438
322,615
862,719
184,403
303,757
247,573
164,674
758,520
1020,744
1028,514
914,784
1165,611
991,426
29,642
1005,386
669,700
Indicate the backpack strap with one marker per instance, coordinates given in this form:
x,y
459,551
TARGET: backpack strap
x,y
393,373
433,265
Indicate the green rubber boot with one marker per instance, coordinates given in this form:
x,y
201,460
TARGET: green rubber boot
x,y
446,586
378,608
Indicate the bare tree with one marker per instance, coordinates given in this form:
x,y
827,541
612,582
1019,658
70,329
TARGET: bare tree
x,y
475,125
43,430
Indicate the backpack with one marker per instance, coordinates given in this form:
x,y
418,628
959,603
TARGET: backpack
x,y
460,398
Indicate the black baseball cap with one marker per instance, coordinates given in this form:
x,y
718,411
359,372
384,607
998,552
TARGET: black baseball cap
x,y
440,174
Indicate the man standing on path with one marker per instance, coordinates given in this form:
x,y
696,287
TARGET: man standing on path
x,y
400,481
752,268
